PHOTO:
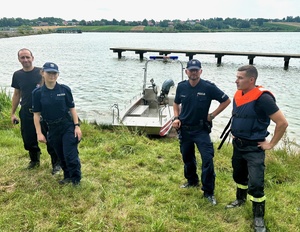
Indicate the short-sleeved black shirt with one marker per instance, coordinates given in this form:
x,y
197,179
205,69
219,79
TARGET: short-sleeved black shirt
x,y
26,82
266,105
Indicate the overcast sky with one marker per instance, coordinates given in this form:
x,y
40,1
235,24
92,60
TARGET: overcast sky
x,y
138,10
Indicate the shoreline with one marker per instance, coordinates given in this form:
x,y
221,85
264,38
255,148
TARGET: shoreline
x,y
38,30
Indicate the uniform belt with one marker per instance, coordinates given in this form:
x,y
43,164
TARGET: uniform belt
x,y
56,121
191,128
244,142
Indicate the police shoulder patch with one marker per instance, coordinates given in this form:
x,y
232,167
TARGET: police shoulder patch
x,y
36,89
209,82
181,82
65,87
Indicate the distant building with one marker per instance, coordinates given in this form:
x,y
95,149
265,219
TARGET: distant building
x,y
41,24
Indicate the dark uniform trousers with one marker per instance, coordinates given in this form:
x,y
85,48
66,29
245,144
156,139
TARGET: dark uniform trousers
x,y
61,137
29,137
28,131
188,138
54,157
248,164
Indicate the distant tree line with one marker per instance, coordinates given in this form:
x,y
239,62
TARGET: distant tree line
x,y
195,24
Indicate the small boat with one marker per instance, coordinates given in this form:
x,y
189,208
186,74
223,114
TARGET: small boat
x,y
152,110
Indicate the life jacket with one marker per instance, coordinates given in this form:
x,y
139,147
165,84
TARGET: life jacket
x,y
246,123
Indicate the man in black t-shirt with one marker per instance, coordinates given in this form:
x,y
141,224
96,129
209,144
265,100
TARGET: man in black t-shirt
x,y
24,81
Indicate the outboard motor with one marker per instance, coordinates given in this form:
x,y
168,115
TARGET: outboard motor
x,y
163,97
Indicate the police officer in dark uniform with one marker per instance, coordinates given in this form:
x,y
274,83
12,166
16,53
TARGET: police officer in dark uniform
x,y
54,102
193,122
253,108
24,81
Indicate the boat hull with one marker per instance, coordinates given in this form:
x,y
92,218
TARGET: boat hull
x,y
151,120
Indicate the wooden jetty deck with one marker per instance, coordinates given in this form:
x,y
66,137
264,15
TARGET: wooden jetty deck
x,y
68,30
218,54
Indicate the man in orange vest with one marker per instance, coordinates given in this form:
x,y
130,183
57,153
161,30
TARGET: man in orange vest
x,y
253,109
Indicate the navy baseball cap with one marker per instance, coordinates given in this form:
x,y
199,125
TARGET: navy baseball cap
x,y
50,67
193,64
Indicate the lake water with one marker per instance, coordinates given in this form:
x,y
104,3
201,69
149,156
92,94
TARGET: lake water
x,y
98,79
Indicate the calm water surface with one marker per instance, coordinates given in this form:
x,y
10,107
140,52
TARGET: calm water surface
x,y
99,79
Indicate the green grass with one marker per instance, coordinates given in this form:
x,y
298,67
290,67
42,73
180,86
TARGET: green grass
x,y
283,26
154,29
267,27
131,183
5,108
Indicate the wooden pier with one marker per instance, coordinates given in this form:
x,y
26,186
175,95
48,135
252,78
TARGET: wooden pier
x,y
218,54
68,30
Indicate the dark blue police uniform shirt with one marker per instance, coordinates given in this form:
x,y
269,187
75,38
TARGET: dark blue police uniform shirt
x,y
195,101
52,103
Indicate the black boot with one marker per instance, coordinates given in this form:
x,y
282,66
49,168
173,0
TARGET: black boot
x,y
241,196
258,214
54,161
55,169
34,159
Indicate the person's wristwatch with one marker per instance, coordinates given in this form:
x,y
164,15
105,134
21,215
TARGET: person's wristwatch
x,y
175,118
211,116
77,124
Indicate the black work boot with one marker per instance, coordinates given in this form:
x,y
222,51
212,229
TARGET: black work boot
x,y
56,169
34,159
258,214
241,196
55,162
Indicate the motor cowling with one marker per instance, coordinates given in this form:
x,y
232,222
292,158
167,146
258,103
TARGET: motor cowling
x,y
163,97
166,86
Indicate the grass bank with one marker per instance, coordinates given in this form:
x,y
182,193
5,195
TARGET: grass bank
x,y
131,183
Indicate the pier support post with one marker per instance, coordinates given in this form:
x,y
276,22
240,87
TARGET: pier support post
x,y
190,55
141,53
219,59
119,51
251,59
164,53
119,54
286,62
